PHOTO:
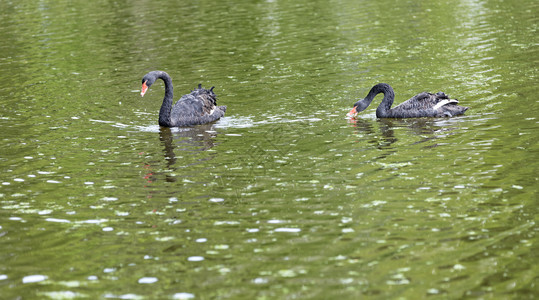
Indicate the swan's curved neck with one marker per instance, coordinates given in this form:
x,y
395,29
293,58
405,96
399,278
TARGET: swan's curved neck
x,y
389,96
166,107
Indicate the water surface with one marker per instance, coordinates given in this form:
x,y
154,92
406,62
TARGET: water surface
x,y
283,198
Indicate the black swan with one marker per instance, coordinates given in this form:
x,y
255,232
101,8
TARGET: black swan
x,y
421,105
198,107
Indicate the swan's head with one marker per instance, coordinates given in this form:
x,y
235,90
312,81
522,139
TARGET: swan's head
x,y
147,81
359,106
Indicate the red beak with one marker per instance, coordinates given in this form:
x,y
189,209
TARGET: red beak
x,y
144,89
352,112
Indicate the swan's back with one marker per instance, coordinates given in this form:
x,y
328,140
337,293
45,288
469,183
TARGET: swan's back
x,y
427,105
197,107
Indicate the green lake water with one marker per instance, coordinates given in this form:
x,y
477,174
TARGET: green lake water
x,y
283,198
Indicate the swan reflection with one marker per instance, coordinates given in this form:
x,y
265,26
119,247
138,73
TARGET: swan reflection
x,y
367,128
187,139
185,144
383,135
